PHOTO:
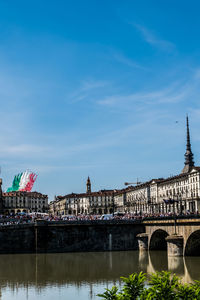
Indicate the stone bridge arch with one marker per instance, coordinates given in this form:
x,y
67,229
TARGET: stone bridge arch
x,y
192,244
157,240
182,236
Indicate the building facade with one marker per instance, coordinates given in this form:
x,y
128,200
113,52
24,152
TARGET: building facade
x,y
28,202
100,202
176,194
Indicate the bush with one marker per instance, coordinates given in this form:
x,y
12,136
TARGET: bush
x,y
160,286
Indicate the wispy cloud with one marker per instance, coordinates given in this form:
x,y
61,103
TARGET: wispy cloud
x,y
87,88
44,153
153,40
23,149
48,168
175,92
127,61
167,95
89,85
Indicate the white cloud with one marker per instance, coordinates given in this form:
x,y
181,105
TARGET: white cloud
x,y
153,40
127,61
23,149
89,85
87,88
175,92
151,97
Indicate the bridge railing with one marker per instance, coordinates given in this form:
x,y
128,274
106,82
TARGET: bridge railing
x,y
123,221
93,222
172,217
137,220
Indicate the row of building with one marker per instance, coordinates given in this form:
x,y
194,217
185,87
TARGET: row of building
x,y
178,194
174,194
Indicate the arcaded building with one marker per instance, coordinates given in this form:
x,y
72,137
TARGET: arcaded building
x,y
28,202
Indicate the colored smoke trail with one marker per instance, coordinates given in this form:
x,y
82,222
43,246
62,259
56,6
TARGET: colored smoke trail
x,y
23,182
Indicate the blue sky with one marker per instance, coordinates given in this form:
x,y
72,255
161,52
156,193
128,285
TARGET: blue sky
x,y
95,88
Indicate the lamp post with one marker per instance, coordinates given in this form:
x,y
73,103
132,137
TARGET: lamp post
x,y
175,224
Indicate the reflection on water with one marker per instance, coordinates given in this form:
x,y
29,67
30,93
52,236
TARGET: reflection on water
x,y
157,261
82,274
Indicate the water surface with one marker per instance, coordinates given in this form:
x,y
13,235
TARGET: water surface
x,y
73,276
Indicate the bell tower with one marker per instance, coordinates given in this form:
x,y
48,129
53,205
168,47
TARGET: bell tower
x,y
88,185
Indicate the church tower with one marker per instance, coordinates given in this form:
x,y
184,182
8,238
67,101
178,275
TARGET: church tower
x,y
88,185
189,162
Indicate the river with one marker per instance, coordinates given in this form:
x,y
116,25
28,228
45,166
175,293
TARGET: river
x,y
72,276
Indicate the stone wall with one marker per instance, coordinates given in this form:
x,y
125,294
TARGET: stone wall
x,y
17,239
53,237
87,237
46,237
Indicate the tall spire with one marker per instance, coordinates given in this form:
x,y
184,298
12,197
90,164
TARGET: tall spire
x,y
189,162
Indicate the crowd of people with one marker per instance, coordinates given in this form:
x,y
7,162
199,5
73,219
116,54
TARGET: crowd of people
x,y
24,218
15,219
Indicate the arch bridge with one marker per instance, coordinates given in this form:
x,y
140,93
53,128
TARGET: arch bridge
x,y
177,236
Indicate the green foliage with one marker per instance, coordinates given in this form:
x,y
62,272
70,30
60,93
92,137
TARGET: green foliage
x,y
110,294
161,286
133,286
186,291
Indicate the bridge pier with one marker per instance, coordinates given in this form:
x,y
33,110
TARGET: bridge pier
x,y
174,245
143,241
